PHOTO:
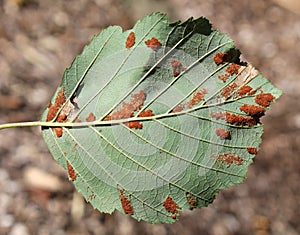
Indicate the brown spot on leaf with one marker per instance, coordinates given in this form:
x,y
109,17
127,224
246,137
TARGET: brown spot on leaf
x,y
91,117
128,109
244,90
126,204
71,172
130,40
178,108
54,108
219,58
134,125
252,150
239,120
170,205
223,77
253,110
222,133
177,67
233,69
153,43
58,131
218,115
229,158
264,99
108,118
197,97
62,117
146,113
227,91
191,200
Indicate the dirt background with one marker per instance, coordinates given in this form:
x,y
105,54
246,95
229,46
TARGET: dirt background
x,y
38,40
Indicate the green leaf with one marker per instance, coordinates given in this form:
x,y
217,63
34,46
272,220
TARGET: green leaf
x,y
159,124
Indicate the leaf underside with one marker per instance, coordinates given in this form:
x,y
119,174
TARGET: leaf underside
x,y
165,115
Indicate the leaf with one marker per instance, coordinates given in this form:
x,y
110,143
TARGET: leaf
x,y
158,118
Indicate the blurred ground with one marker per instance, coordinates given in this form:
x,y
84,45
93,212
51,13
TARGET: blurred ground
x,y
38,40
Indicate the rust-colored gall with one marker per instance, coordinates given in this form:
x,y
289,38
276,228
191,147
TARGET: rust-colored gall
x,y
223,77
71,172
218,115
91,117
191,200
229,158
222,133
170,205
233,69
54,108
128,108
239,120
134,125
153,43
264,99
178,108
126,203
130,41
197,97
146,113
177,67
252,150
227,91
244,90
253,110
219,58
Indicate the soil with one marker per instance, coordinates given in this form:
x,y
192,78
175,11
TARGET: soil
x,y
38,40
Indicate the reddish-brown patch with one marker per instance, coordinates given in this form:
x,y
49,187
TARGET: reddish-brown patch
x,y
130,40
240,120
128,109
170,205
126,204
233,69
108,118
229,158
218,115
54,108
227,91
178,108
134,125
223,77
62,117
244,90
222,133
177,67
91,117
219,58
153,43
197,97
58,131
78,120
146,113
71,172
253,110
264,99
191,200
252,150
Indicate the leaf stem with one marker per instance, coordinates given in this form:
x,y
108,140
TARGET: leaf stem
x,y
21,124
